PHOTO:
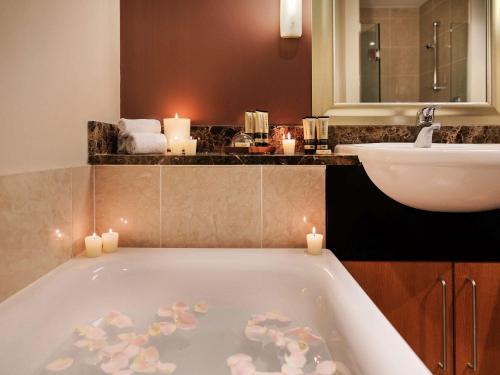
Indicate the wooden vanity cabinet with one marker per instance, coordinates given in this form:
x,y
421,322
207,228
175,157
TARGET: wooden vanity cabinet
x,y
412,295
485,306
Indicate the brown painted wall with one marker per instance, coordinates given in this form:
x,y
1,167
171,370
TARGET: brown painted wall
x,y
211,60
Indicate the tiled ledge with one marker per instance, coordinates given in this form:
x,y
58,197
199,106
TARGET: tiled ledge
x,y
222,159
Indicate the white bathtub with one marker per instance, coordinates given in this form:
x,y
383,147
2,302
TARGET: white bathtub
x,y
37,325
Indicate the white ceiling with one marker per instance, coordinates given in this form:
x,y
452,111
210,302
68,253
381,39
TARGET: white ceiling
x,y
391,3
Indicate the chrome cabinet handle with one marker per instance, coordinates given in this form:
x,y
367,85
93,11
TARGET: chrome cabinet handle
x,y
473,365
444,363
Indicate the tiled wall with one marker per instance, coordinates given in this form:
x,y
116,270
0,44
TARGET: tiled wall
x,y
210,206
399,41
448,13
44,217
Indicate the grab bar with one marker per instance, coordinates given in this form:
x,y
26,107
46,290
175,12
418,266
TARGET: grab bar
x,y
434,46
473,364
444,363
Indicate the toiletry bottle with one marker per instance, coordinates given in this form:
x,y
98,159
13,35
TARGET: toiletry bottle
x,y
309,124
322,133
249,124
261,134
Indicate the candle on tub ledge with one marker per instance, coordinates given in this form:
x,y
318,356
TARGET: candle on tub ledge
x,y
314,243
190,146
110,241
177,127
93,246
288,145
176,145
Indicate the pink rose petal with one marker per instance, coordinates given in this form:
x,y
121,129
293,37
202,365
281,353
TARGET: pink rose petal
x,y
91,333
165,312
296,359
297,347
255,333
180,307
134,339
131,351
167,328
151,354
115,364
119,320
326,368
234,359
185,321
154,329
201,308
60,364
166,368
112,350
304,334
243,368
286,369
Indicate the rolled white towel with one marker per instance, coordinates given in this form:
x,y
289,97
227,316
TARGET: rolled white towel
x,y
141,143
139,126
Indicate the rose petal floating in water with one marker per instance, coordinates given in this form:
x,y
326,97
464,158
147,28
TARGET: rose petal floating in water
x,y
147,360
180,307
115,364
296,359
305,335
297,347
134,339
277,317
91,333
60,364
287,369
234,359
112,350
119,320
255,333
154,329
243,368
167,328
326,368
185,321
131,351
201,308
165,312
166,368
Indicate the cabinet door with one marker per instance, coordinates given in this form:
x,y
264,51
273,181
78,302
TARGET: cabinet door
x,y
410,295
485,278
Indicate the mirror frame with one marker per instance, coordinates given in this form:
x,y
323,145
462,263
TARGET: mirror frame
x,y
323,99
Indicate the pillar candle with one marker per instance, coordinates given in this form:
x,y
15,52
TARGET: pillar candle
x,y
110,241
93,246
190,146
288,145
177,146
177,127
314,243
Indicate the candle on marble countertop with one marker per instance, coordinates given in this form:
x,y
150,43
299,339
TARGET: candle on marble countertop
x,y
110,241
177,127
93,246
288,145
190,146
177,146
314,243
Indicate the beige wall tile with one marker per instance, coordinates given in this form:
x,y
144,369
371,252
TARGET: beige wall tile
x,y
290,194
33,206
211,206
405,61
127,199
404,32
82,179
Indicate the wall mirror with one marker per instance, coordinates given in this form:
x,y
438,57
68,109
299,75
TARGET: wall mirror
x,y
410,51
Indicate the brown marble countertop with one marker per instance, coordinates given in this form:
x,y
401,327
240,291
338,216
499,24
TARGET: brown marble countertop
x,y
222,159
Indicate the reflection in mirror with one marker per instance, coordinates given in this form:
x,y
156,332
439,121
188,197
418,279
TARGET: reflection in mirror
x,y
406,51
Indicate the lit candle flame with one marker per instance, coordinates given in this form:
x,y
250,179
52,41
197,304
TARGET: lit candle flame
x,y
176,115
110,230
289,136
94,235
314,230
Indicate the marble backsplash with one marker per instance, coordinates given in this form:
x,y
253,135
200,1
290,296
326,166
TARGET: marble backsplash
x,y
102,137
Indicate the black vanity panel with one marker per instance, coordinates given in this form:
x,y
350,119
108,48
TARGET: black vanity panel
x,y
365,224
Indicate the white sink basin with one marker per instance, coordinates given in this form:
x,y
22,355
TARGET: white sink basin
x,y
445,177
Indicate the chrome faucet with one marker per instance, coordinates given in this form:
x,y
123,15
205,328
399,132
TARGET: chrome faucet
x,y
425,118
